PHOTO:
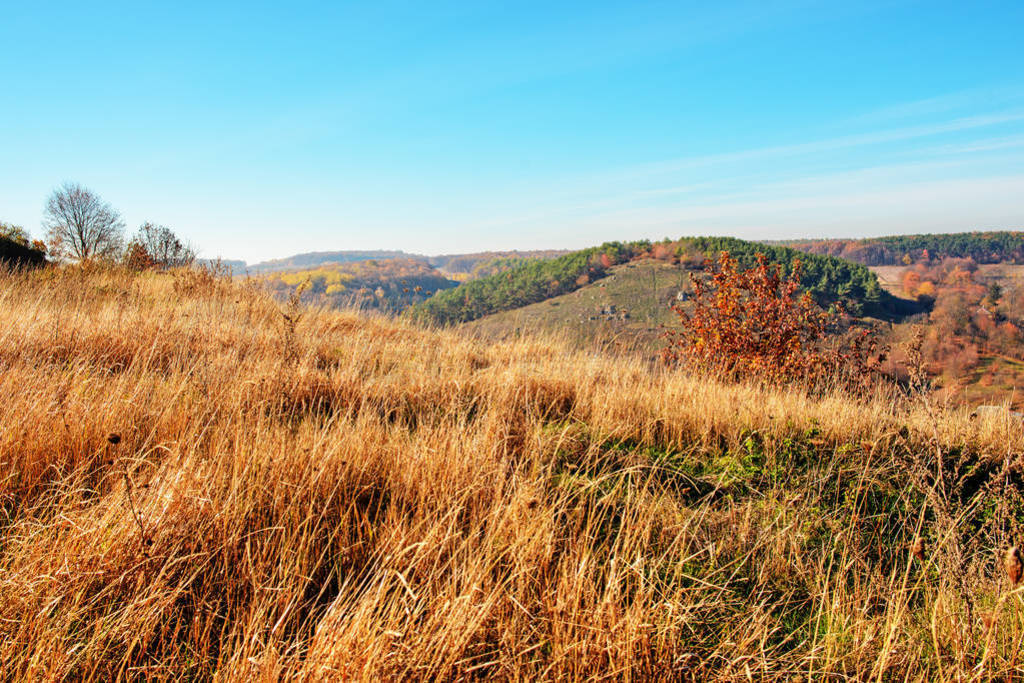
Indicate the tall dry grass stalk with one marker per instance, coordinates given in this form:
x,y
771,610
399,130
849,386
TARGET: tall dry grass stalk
x,y
324,496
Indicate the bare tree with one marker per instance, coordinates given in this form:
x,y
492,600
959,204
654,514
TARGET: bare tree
x,y
80,225
164,248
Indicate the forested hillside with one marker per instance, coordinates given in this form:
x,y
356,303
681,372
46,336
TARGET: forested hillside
x,y
827,278
388,285
982,247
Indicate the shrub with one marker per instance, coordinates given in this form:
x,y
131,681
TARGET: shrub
x,y
15,253
136,257
757,323
15,233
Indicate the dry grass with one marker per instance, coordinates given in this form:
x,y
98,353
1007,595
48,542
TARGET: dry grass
x,y
329,496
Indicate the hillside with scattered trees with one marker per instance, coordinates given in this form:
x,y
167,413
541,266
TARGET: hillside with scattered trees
x,y
525,283
828,279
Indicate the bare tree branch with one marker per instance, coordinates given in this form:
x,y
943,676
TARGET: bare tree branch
x,y
80,225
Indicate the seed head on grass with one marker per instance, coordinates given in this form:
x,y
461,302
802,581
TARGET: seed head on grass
x,y
917,548
1013,565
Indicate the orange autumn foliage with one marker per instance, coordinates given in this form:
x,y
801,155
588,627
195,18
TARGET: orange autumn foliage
x,y
927,288
911,281
755,323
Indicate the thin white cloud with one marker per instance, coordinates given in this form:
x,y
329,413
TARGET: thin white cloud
x,y
836,143
983,145
988,97
742,183
962,203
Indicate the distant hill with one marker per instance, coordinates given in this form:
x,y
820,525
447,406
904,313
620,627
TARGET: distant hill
x,y
462,266
826,278
237,267
388,281
982,247
314,259
481,264
15,254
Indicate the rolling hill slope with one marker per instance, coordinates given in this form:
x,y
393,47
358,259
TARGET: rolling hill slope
x,y
627,309
826,278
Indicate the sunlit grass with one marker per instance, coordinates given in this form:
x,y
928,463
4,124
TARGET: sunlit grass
x,y
328,496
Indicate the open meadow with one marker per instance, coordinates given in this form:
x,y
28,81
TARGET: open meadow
x,y
201,482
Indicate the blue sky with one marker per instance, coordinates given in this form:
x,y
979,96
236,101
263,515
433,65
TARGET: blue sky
x,y
259,130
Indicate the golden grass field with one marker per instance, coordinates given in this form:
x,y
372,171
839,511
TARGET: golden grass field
x,y
314,495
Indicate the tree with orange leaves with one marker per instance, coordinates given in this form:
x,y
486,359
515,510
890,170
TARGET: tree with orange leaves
x,y
926,289
911,281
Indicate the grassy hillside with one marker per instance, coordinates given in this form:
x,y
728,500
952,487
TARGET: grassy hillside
x,y
531,281
828,279
197,486
624,310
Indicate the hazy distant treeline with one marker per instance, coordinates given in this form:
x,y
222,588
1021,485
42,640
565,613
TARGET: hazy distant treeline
x,y
982,247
